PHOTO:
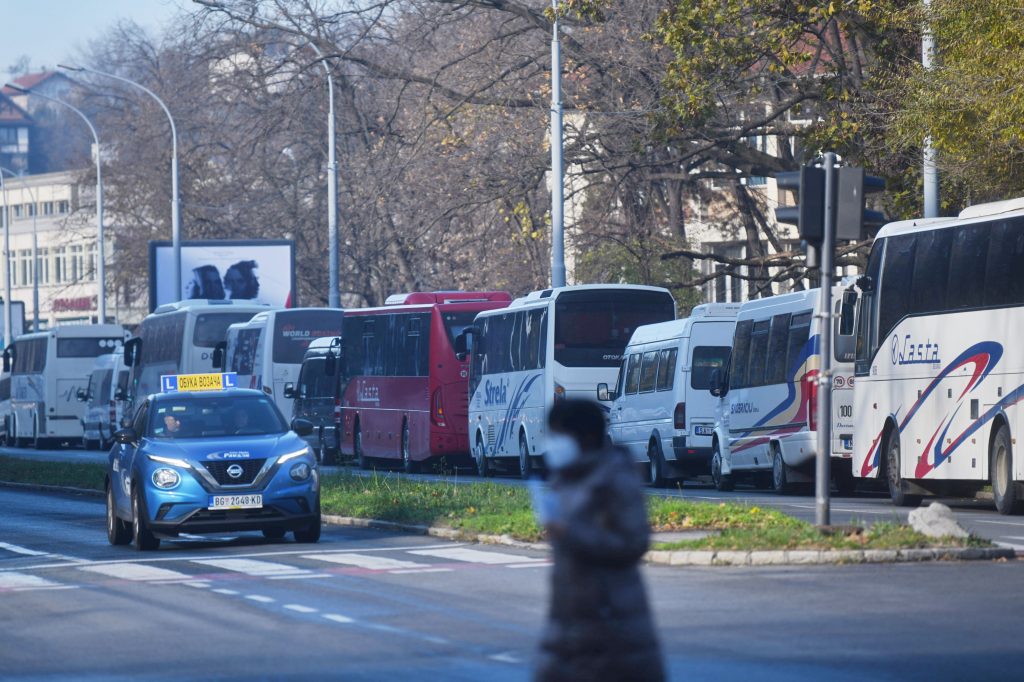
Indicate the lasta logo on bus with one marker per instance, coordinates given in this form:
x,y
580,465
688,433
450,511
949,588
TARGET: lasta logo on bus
x,y
910,353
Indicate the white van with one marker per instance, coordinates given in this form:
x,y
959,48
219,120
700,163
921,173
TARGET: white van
x,y
766,420
104,400
662,411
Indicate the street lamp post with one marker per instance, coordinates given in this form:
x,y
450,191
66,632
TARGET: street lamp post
x,y
557,198
175,213
101,299
7,263
333,291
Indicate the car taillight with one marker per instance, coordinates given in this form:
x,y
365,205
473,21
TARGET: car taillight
x,y
559,392
437,409
679,417
811,391
337,412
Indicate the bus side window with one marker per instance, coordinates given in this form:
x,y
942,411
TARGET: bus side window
x,y
799,333
777,340
740,354
667,369
633,374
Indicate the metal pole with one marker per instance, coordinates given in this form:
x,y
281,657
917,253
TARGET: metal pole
x,y
35,268
7,264
930,171
333,291
822,478
175,212
557,173
101,293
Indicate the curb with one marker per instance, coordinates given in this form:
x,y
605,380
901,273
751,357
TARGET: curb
x,y
825,557
53,488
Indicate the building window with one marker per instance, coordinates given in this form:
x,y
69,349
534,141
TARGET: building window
x,y
30,210
47,208
77,263
60,265
91,262
8,136
18,210
63,207
43,263
23,273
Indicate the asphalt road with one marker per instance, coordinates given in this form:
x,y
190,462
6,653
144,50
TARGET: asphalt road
x,y
363,605
865,507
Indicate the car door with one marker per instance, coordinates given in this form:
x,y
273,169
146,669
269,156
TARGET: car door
x,y
615,415
125,454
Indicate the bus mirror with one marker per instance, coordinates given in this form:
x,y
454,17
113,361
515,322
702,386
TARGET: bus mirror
x,y
82,395
603,394
289,390
218,355
847,313
131,351
119,394
331,364
302,427
718,387
865,284
7,358
465,341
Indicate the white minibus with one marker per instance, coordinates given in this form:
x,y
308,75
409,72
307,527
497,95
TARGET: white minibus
x,y
939,380
266,351
179,338
661,410
104,399
766,421
548,345
47,369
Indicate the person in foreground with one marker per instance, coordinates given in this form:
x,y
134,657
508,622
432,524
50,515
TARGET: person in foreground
x,y
599,624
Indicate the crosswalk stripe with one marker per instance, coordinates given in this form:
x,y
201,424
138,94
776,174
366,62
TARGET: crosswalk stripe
x,y
18,549
253,567
23,581
367,561
136,572
475,556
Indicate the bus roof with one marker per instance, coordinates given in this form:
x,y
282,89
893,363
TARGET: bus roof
x,y
77,331
675,329
435,297
545,295
1010,208
207,305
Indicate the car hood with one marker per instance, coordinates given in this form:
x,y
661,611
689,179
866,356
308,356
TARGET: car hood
x,y
227,449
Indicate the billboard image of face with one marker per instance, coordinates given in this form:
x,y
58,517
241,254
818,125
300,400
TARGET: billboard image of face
x,y
224,270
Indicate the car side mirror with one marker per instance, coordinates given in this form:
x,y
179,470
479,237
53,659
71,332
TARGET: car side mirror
x,y
218,355
82,395
603,394
126,436
303,427
289,390
119,394
717,381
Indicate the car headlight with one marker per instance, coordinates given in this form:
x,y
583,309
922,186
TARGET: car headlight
x,y
292,455
300,471
170,460
165,478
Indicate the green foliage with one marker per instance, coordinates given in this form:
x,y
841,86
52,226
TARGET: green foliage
x,y
86,475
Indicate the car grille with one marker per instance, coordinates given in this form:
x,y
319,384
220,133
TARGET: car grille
x,y
219,471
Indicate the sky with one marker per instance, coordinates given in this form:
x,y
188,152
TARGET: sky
x,y
49,31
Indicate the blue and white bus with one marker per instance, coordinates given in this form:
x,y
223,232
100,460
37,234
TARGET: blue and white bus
x,y
550,344
938,378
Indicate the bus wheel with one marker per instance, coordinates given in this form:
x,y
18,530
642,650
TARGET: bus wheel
x,y
780,481
408,465
893,476
483,468
1004,490
722,481
357,448
525,463
657,465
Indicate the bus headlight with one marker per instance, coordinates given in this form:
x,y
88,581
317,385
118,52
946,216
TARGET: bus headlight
x,y
165,478
300,471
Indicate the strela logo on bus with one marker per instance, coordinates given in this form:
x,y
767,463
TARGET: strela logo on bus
x,y
496,394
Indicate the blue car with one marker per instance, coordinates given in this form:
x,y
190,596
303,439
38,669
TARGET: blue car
x,y
211,462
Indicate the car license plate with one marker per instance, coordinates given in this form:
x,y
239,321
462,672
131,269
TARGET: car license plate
x,y
703,430
236,501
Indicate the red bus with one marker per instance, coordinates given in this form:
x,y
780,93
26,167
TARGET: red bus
x,y
406,394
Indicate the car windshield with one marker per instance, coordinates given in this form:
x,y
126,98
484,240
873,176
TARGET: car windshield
x,y
187,417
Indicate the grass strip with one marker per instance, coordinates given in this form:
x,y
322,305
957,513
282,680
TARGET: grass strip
x,y
499,509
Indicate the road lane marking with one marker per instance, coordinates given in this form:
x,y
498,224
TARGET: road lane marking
x,y
18,549
535,564
996,523
506,657
222,590
476,556
22,581
260,598
367,561
259,569
338,618
300,576
137,572
421,570
300,608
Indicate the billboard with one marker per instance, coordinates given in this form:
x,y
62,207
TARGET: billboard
x,y
257,270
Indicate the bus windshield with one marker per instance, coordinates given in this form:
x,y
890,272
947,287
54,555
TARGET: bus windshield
x,y
456,322
294,331
86,347
211,328
187,417
592,327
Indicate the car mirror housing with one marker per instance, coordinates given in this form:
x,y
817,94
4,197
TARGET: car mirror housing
x,y
303,427
126,436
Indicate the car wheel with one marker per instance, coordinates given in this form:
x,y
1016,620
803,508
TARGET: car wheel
x,y
1004,490
118,532
143,538
894,477
657,465
780,478
408,465
483,467
273,533
723,482
357,448
310,533
525,462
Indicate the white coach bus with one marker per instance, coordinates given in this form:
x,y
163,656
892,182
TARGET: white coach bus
x,y
548,345
938,379
179,338
47,370
766,426
266,352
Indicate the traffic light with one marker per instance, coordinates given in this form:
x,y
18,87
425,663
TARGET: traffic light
x,y
809,213
851,217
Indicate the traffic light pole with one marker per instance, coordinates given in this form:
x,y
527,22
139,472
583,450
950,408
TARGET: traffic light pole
x,y
823,477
